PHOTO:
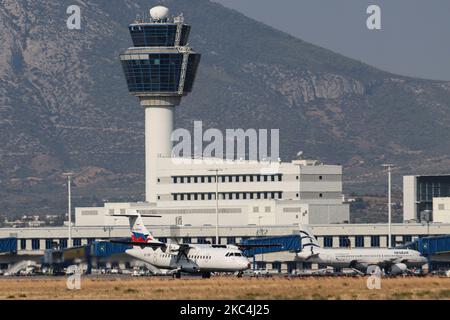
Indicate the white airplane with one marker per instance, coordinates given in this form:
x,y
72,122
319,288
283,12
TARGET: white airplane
x,y
392,261
189,258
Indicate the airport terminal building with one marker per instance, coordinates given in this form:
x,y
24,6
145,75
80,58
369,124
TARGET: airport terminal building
x,y
34,241
253,198
426,197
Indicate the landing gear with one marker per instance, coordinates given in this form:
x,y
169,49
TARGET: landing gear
x,y
206,275
177,275
240,273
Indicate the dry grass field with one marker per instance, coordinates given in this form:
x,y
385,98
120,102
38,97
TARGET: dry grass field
x,y
225,288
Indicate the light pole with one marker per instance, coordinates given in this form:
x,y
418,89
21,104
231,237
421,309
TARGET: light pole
x,y
299,157
69,205
261,234
389,167
217,203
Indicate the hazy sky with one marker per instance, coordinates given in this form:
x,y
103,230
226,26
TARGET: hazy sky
x,y
414,40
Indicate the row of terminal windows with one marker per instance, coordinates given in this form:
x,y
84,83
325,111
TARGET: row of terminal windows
x,y
344,241
227,196
228,178
63,242
51,243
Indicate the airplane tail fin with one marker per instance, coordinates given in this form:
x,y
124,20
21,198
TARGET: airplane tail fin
x,y
308,240
139,232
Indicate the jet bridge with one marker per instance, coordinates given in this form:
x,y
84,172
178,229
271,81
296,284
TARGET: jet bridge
x,y
262,245
434,246
96,251
8,245
436,249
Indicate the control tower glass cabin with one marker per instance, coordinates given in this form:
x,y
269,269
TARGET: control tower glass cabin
x,y
160,69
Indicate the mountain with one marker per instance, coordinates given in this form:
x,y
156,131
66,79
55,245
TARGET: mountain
x,y
64,104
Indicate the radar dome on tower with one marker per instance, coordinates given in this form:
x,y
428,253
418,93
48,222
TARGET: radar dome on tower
x,y
159,13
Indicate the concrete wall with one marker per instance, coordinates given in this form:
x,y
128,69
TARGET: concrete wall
x,y
409,198
441,210
328,214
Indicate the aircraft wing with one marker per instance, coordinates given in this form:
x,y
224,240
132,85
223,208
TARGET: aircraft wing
x,y
152,268
382,263
140,244
251,246
312,255
183,250
392,261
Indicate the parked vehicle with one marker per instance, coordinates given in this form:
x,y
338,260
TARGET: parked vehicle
x,y
114,271
261,273
28,271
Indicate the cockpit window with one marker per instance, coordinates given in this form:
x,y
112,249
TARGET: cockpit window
x,y
235,254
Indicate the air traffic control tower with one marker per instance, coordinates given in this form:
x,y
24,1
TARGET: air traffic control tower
x,y
160,69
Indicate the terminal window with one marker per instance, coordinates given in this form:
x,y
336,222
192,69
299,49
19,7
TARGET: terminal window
x,y
407,239
23,244
63,243
359,241
328,241
276,266
49,244
344,242
260,265
375,241
35,244
393,240
187,240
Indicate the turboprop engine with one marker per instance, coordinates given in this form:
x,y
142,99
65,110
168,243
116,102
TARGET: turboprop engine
x,y
398,268
171,248
304,255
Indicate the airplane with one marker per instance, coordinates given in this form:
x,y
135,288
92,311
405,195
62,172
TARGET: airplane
x,y
392,261
176,258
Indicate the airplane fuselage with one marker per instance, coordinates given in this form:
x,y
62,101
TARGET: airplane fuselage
x,y
199,259
361,258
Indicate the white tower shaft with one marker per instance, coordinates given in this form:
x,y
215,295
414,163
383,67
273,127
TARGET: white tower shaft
x,y
158,144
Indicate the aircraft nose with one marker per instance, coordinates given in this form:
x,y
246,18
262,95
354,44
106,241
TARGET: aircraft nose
x,y
245,264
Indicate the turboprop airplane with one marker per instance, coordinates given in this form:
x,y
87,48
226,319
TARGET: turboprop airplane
x,y
189,258
392,261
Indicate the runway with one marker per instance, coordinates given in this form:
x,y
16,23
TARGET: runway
x,y
100,287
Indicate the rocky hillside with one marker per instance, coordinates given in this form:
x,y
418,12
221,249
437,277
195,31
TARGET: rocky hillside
x,y
64,104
